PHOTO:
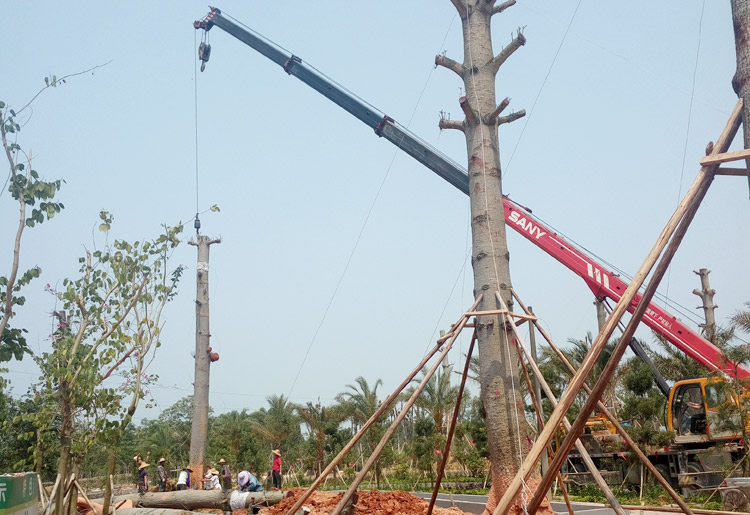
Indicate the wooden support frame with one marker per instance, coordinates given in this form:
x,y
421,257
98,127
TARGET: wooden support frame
x,y
383,407
402,414
610,416
454,419
578,444
540,420
684,213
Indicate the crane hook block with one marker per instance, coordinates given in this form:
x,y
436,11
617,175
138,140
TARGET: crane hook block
x,y
204,53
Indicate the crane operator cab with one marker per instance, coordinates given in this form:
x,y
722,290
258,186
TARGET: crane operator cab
x,y
693,412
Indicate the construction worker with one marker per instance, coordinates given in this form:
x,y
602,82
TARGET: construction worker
x,y
248,482
226,475
161,475
276,468
212,479
183,480
143,478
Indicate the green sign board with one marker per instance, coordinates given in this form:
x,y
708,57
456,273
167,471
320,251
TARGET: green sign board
x,y
19,494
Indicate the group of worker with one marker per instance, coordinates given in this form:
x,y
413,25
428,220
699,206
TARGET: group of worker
x,y
183,480
246,480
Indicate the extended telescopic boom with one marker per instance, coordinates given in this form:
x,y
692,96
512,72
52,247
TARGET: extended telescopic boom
x,y
602,282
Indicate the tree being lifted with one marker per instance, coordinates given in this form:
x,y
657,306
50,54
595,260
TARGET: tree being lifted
x,y
501,396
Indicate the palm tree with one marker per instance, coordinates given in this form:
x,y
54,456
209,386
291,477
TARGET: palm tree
x,y
278,425
319,419
437,399
360,401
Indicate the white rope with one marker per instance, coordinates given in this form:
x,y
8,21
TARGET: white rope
x,y
494,260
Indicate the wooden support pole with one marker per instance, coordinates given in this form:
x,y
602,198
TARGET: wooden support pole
x,y
86,497
611,417
62,510
417,391
112,490
535,396
383,407
52,495
42,493
738,172
696,191
585,456
725,157
448,441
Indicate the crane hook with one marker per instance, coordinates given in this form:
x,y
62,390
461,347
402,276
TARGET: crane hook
x,y
204,52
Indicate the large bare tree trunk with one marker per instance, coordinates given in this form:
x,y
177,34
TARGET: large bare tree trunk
x,y
501,397
741,80
200,499
199,430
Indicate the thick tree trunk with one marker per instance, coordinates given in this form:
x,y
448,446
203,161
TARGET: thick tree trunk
x,y
502,400
741,80
199,430
201,499
155,511
66,432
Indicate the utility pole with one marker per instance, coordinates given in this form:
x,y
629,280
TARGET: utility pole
x,y
199,430
706,295
741,79
498,362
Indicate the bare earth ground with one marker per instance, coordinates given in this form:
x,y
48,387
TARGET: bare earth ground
x,y
372,502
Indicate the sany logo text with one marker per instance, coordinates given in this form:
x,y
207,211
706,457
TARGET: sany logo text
x,y
526,225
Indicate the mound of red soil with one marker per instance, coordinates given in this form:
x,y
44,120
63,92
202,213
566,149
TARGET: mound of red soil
x,y
372,502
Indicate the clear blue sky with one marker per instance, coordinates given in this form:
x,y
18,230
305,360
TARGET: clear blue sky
x,y
600,158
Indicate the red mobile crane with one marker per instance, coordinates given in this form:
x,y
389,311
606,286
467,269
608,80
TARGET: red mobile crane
x,y
602,282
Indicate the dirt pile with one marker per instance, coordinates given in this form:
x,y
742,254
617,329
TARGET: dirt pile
x,y
372,502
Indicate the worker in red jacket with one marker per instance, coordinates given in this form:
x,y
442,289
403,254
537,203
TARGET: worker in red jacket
x,y
276,468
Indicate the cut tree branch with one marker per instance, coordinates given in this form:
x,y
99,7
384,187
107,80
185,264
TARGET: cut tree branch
x,y
500,8
460,7
445,123
499,109
506,52
511,117
447,62
471,116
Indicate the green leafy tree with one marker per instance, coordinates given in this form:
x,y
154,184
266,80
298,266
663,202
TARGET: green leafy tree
x,y
110,323
643,405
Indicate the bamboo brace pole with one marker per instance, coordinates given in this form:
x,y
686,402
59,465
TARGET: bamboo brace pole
x,y
52,495
448,441
699,186
553,400
540,420
383,407
620,430
383,441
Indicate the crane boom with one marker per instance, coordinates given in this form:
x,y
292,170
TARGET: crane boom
x,y
601,281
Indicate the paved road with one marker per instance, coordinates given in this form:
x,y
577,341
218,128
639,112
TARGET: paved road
x,y
475,504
